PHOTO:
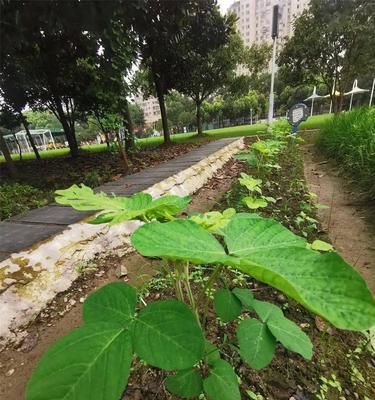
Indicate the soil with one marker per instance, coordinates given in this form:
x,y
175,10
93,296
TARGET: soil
x,y
350,219
339,356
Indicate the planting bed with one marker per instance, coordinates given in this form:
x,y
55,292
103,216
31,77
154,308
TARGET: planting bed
x,y
342,366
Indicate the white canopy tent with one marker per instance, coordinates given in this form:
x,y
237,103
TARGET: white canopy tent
x,y
312,98
43,139
355,90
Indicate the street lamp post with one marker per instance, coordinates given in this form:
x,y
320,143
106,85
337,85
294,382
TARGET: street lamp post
x,y
275,33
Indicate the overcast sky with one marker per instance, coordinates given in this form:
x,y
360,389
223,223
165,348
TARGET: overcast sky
x,y
224,4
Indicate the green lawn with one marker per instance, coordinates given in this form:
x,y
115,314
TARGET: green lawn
x,y
316,121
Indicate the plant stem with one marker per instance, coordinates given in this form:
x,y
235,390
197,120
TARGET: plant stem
x,y
206,287
189,291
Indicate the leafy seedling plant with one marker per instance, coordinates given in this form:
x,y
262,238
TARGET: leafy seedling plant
x,y
256,199
94,360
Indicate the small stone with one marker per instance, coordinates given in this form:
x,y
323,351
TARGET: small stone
x,y
82,299
304,325
29,342
123,271
10,372
72,302
65,299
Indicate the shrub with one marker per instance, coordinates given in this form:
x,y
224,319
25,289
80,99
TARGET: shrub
x,y
349,138
16,198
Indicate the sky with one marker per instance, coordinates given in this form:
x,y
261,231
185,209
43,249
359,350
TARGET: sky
x,y
224,4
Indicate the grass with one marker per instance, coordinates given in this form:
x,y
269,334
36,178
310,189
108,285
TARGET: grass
x,y
317,121
349,138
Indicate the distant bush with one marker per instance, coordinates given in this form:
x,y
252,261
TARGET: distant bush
x,y
16,198
349,138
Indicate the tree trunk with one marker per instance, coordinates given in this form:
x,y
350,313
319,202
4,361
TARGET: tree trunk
x,y
122,152
163,111
68,130
28,134
10,163
19,146
129,130
199,119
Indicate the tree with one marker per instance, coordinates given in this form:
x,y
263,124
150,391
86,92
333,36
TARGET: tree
x,y
211,70
180,111
332,44
49,42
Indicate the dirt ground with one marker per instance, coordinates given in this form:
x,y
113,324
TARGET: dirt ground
x,y
350,219
64,313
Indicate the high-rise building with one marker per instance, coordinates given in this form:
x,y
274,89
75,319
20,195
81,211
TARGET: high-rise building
x,y
255,18
150,107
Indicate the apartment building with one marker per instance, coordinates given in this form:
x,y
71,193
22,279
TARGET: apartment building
x,y
150,108
255,18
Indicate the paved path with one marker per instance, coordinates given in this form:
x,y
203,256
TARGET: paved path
x,y
25,230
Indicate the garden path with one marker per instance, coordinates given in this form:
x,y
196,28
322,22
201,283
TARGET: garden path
x,y
349,221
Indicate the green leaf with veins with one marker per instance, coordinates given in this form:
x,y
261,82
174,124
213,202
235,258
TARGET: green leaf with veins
x,y
178,240
245,296
257,345
112,303
265,250
80,365
290,335
186,383
266,310
119,209
226,304
166,335
222,382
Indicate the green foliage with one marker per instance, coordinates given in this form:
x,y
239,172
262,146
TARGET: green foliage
x,y
16,198
257,345
251,184
349,138
221,383
164,334
118,209
186,383
227,305
267,251
213,221
173,336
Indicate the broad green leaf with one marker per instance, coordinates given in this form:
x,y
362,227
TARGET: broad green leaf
x,y
290,335
254,202
246,234
166,335
83,198
323,283
179,239
137,202
257,345
245,296
211,352
91,362
222,382
112,303
171,204
226,304
266,310
186,383
321,246
265,250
